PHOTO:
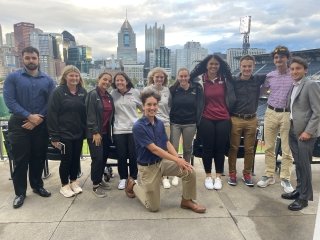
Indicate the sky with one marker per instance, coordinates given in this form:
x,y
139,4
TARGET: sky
x,y
213,23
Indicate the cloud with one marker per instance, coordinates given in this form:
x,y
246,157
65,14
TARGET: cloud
x,y
215,24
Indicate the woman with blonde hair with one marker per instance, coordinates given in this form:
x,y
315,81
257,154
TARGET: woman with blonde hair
x,y
66,126
158,82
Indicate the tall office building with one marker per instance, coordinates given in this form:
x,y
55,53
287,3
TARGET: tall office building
x,y
1,41
22,36
127,50
10,39
44,43
68,41
81,57
162,57
232,53
190,55
154,39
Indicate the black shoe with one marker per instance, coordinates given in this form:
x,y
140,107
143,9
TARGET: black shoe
x,y
42,192
298,204
18,201
291,196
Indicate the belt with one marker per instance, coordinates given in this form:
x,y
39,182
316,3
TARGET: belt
x,y
244,116
278,109
149,164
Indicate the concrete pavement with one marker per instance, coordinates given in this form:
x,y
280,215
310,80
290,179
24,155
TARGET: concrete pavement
x,y
232,213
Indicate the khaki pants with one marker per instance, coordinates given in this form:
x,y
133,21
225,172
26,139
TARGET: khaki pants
x,y
247,127
148,188
273,123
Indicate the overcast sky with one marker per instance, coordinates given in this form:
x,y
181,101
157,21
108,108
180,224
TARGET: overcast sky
x,y
213,23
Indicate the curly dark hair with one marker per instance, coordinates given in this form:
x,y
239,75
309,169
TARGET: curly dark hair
x,y
126,77
201,68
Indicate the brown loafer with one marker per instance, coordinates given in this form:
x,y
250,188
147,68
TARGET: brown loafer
x,y
129,187
189,204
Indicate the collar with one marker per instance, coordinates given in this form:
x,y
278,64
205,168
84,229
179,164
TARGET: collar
x,y
146,121
239,78
297,83
40,74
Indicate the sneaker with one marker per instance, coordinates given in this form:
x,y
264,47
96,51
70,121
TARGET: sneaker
x,y
104,185
217,184
99,192
166,183
66,191
232,180
75,187
175,181
287,187
266,181
122,184
247,180
208,183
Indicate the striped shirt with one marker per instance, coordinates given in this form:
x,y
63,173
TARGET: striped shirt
x,y
279,86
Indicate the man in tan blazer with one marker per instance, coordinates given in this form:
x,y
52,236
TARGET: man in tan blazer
x,y
304,105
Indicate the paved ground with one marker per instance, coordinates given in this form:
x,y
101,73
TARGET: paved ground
x,y
233,213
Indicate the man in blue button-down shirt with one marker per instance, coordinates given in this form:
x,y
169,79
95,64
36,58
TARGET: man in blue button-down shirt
x,y
26,93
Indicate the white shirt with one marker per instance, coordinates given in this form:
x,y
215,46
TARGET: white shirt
x,y
293,95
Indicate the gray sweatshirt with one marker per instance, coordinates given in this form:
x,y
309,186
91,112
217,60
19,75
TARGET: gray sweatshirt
x,y
125,114
164,109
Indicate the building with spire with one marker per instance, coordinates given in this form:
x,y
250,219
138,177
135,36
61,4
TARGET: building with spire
x,y
127,50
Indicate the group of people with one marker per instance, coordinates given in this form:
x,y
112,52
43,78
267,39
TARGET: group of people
x,y
208,102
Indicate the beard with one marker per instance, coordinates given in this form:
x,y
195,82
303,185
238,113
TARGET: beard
x,y
31,66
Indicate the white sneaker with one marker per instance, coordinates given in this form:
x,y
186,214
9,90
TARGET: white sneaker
x,y
175,181
287,187
217,184
166,183
122,184
66,191
266,181
208,183
75,187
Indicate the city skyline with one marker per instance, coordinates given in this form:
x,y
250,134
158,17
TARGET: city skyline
x,y
214,24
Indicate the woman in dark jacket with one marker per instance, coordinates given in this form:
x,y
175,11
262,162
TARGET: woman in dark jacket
x,y
186,106
100,110
66,126
214,127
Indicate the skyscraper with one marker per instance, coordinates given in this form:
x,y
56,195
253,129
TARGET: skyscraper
x,y
190,55
10,39
22,36
154,39
127,50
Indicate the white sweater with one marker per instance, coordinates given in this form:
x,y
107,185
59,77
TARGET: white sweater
x,y
125,114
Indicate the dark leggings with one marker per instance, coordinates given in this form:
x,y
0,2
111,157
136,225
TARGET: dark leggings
x,y
99,155
70,161
214,135
126,149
